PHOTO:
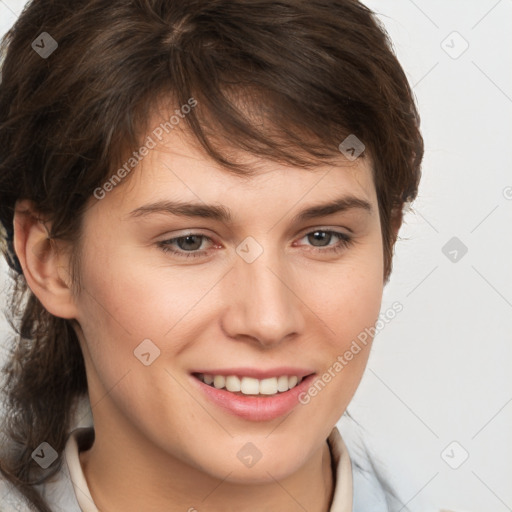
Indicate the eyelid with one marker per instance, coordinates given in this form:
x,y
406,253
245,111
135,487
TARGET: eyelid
x,y
312,229
183,233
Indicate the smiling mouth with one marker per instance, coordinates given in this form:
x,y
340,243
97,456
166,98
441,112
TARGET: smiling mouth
x,y
243,386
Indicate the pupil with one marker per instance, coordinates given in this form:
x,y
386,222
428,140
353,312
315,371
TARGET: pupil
x,y
186,239
320,235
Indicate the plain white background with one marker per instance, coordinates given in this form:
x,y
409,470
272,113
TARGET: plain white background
x,y
436,400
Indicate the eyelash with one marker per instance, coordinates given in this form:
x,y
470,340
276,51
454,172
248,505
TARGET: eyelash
x,y
345,241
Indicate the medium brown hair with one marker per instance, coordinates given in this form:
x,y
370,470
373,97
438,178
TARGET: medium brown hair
x,y
316,71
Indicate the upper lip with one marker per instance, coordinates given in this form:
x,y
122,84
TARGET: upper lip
x,y
256,373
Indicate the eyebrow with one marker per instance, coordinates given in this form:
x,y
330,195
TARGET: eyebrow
x,y
223,214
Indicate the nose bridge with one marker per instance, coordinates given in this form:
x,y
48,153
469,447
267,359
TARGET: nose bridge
x,y
264,306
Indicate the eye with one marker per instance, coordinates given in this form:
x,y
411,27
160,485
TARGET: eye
x,y
190,245
323,237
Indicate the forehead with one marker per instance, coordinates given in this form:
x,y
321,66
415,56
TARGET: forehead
x,y
177,167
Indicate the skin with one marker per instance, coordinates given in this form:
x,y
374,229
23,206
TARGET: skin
x,y
160,444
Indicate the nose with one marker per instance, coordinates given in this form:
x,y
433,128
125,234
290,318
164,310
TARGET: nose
x,y
264,304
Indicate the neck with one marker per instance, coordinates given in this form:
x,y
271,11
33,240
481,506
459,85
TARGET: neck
x,y
127,473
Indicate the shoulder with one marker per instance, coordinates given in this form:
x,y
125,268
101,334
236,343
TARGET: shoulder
x,y
366,491
58,490
10,498
373,487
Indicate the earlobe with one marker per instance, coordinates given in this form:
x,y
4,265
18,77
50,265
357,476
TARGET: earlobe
x,y
45,268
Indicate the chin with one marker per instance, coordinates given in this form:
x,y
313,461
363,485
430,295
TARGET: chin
x,y
250,465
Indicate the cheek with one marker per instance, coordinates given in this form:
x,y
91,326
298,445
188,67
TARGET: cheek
x,y
348,301
118,310
348,296
350,315
125,301
123,294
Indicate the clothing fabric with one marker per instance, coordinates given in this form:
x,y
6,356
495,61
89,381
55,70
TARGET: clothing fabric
x,y
68,491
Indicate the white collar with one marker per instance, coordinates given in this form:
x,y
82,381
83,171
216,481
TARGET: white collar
x,y
80,439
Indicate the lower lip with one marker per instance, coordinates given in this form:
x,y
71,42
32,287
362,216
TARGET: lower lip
x,y
255,408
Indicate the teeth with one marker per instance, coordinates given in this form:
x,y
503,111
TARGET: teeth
x,y
250,385
233,383
282,383
219,381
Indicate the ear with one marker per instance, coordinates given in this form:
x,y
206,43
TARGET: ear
x,y
45,265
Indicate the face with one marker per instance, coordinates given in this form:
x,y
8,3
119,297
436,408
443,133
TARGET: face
x,y
239,285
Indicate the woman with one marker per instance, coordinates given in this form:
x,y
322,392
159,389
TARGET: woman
x,y
200,202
